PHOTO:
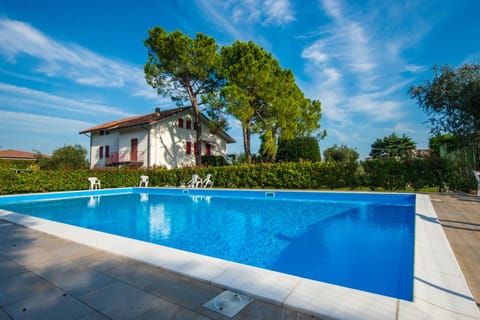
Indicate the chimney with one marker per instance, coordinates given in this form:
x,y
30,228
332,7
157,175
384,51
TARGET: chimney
x,y
157,113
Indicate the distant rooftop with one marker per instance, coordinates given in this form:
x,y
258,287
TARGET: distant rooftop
x,y
11,154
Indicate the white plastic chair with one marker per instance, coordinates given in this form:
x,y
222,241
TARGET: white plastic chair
x,y
477,176
94,183
195,182
208,181
143,181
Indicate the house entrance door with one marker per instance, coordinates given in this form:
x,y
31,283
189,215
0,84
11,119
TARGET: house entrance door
x,y
133,149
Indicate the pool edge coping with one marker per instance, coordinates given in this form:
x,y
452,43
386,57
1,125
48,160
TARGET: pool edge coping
x,y
440,291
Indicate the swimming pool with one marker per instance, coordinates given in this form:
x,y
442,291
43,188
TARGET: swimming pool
x,y
361,241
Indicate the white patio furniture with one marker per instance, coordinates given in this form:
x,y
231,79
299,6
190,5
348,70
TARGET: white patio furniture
x,y
94,183
477,177
195,182
208,181
143,181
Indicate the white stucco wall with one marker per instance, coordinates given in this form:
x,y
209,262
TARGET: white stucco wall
x,y
168,143
98,140
124,144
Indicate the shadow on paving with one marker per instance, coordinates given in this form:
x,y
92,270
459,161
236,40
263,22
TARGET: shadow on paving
x,y
459,215
44,277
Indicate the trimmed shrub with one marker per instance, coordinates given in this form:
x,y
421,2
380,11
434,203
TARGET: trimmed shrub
x,y
386,173
214,161
383,174
302,148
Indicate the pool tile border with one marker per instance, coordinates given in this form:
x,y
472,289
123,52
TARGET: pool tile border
x,y
440,289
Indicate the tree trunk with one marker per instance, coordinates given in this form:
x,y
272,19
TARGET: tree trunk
x,y
198,130
246,143
198,127
275,146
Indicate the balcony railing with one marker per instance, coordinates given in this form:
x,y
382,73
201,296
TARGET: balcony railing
x,y
124,157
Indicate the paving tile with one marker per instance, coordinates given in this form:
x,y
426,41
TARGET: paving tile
x,y
100,261
9,268
75,279
443,295
94,316
68,250
259,310
186,292
330,301
167,310
23,286
271,286
4,315
409,311
463,212
52,305
121,301
184,314
138,274
30,256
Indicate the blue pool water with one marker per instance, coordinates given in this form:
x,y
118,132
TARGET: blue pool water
x,y
359,242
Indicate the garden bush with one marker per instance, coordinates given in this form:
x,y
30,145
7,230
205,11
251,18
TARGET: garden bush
x,y
302,148
377,174
213,161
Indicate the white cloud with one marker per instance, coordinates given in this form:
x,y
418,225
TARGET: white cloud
x,y
278,12
236,17
21,96
378,109
315,53
27,122
357,70
218,17
472,58
348,41
413,68
68,61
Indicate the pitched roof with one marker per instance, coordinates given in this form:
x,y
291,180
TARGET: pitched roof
x,y
135,120
17,154
146,119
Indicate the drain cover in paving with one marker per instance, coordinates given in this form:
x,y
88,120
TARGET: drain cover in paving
x,y
228,303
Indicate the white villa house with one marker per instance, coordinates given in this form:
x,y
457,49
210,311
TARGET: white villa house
x,y
160,139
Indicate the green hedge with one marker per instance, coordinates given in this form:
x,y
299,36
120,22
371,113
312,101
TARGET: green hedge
x,y
301,148
378,174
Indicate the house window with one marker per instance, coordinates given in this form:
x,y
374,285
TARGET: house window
x,y
100,153
189,125
107,152
180,123
189,147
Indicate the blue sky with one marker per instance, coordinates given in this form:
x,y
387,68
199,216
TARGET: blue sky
x,y
69,65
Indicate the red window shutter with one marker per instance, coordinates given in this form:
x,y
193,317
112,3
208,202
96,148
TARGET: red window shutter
x,y
194,148
189,124
107,151
180,123
100,156
189,147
